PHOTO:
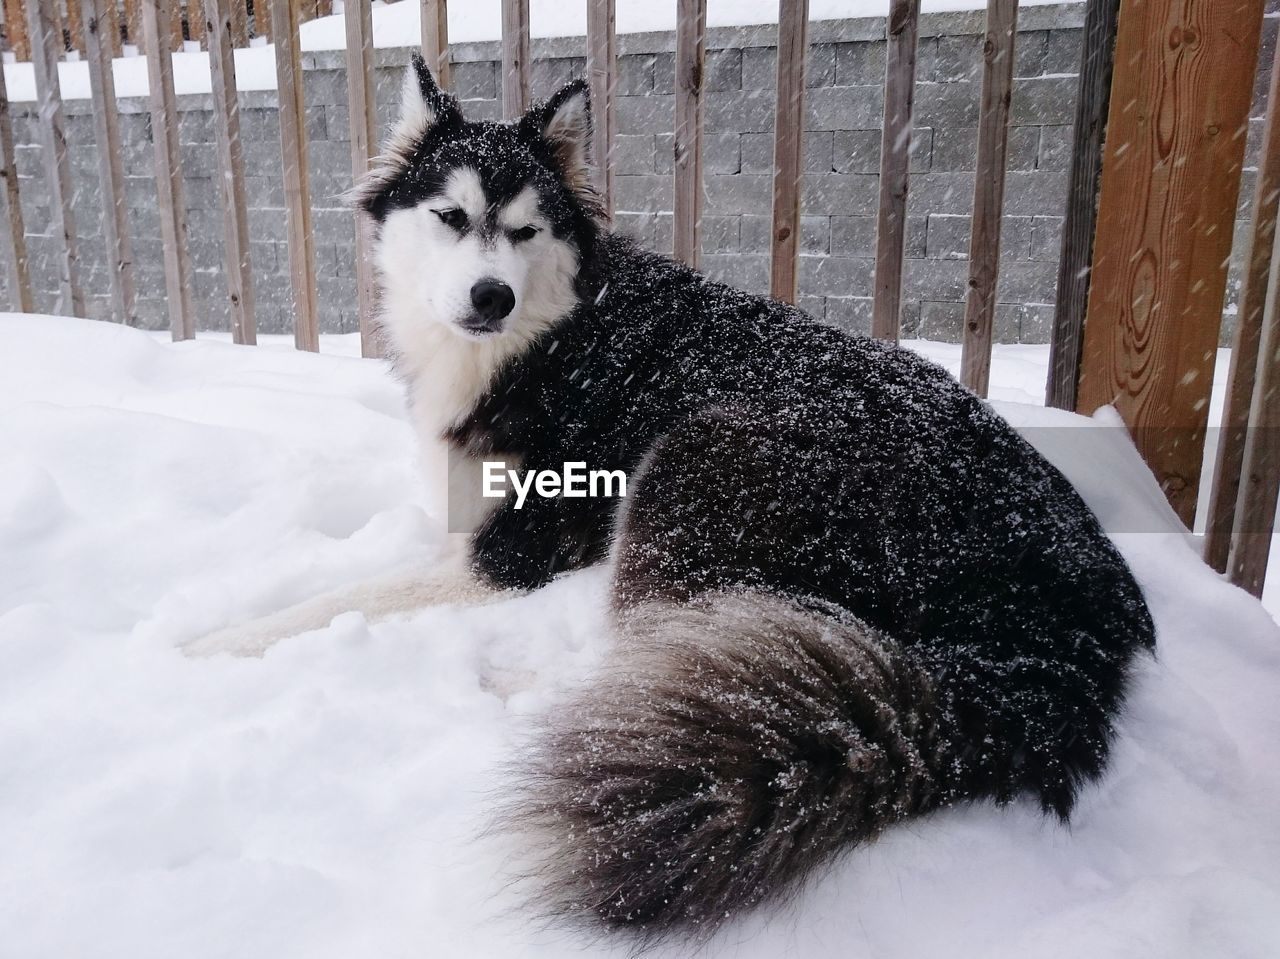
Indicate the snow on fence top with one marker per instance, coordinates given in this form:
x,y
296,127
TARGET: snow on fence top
x,y
397,25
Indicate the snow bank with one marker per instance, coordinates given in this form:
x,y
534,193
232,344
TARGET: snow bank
x,y
397,25
326,800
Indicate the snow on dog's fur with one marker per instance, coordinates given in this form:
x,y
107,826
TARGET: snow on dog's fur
x,y
845,591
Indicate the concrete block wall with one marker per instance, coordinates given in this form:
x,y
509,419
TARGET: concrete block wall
x,y
845,75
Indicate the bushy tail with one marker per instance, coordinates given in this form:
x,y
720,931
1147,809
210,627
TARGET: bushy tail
x,y
733,745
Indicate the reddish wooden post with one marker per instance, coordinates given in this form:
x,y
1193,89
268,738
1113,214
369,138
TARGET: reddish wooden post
x,y
15,236
169,200
895,164
46,51
788,148
297,188
97,18
435,38
988,194
364,134
515,58
602,66
1170,181
691,54
226,133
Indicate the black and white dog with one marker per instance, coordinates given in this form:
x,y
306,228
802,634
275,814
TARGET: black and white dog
x,y
845,591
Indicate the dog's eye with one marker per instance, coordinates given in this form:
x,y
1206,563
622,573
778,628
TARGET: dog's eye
x,y
454,218
524,233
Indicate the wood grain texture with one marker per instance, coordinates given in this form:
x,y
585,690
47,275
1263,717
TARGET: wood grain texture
x,y
435,39
239,23
72,28
363,119
262,19
14,236
154,15
602,69
297,185
691,55
1255,519
903,32
15,29
1170,180
988,193
515,58
133,23
1080,221
226,136
1246,340
96,15
196,25
788,149
174,39
46,51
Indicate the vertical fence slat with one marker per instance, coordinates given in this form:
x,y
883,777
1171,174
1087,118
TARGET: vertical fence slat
x,y
1246,341
154,15
1081,220
133,22
196,26
602,68
15,28
262,19
435,38
297,188
73,33
109,27
1255,518
788,148
988,193
97,19
895,161
515,58
691,53
226,135
175,23
364,133
46,49
15,236
239,23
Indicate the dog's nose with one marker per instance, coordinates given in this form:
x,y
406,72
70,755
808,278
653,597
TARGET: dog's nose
x,y
492,299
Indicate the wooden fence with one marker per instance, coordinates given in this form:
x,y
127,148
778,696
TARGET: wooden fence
x,y
1248,470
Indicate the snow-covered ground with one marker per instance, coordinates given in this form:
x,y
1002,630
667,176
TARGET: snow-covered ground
x,y
328,799
397,25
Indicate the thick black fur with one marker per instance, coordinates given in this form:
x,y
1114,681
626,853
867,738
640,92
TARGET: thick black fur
x,y
816,474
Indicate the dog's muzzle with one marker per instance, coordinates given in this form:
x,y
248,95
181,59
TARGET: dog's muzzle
x,y
492,300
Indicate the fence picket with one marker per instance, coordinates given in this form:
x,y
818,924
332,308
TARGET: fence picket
x,y
18,276
602,66
788,148
98,20
154,15
895,161
297,187
988,193
226,135
46,50
515,58
435,38
691,55
363,119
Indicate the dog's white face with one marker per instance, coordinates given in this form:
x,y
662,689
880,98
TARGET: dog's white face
x,y
478,268
467,239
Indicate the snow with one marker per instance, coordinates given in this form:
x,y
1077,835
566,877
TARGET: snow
x,y
329,799
397,25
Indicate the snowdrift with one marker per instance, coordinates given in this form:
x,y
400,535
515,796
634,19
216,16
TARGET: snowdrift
x,y
328,799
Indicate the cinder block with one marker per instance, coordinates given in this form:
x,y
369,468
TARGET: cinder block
x,y
723,70
860,63
1046,238
836,275
820,65
853,236
476,80
635,75
633,154
720,234
642,194
1062,51
646,114
850,313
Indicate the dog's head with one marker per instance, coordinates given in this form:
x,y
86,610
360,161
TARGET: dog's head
x,y
481,226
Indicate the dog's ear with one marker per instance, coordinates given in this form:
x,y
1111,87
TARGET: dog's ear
x,y
422,103
564,124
